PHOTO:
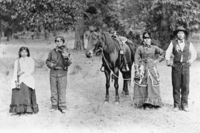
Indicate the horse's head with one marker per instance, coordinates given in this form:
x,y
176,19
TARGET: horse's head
x,y
94,44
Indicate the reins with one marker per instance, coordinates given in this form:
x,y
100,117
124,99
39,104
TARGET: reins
x,y
112,73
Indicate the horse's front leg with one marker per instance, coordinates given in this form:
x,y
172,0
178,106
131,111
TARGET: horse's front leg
x,y
107,74
116,85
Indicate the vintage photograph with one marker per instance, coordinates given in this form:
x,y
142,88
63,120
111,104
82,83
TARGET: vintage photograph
x,y
99,66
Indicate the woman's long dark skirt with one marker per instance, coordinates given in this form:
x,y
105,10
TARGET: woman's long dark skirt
x,y
23,100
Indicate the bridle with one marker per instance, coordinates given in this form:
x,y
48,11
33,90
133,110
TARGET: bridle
x,y
99,47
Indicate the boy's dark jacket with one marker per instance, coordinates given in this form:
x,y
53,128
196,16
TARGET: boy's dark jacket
x,y
61,64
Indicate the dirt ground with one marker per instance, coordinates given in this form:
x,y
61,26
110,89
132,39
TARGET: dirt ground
x,y
85,95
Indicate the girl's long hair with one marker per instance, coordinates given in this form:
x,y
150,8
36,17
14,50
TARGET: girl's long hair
x,y
23,48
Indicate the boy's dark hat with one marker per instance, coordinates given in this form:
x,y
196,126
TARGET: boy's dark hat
x,y
180,28
61,37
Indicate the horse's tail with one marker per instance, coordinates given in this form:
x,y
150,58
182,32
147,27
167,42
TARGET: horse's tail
x,y
133,48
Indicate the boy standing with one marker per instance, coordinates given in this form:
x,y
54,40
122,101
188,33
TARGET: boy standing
x,y
58,61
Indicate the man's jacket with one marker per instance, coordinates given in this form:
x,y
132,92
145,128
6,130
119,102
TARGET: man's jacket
x,y
57,64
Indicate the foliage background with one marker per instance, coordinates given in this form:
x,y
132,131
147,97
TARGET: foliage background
x,y
129,18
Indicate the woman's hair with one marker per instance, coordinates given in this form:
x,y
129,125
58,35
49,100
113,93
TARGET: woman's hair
x,y
24,48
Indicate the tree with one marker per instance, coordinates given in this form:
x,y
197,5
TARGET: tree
x,y
161,17
79,30
167,15
95,14
59,15
104,14
9,24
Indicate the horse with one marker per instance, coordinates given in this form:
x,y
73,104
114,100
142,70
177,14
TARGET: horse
x,y
112,59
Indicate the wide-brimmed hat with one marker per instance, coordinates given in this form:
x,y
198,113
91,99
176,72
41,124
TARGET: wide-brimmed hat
x,y
61,37
180,28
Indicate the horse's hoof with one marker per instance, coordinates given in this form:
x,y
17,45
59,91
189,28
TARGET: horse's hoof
x,y
116,103
126,93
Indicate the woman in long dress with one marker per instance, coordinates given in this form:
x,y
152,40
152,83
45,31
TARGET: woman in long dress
x,y
146,81
23,85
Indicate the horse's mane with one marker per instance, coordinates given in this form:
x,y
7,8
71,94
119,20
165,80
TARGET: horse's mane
x,y
110,43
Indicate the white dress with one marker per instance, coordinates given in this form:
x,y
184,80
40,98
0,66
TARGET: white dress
x,y
27,66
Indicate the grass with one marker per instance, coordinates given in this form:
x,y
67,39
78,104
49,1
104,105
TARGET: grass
x,y
85,96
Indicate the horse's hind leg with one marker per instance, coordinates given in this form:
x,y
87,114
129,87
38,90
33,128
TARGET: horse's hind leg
x,y
116,85
107,74
127,79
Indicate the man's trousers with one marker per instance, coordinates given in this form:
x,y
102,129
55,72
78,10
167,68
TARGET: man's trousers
x,y
180,83
58,92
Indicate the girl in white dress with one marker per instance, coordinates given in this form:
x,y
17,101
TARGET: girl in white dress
x,y
23,85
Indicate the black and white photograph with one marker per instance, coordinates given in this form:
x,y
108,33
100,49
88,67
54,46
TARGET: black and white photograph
x,y
100,66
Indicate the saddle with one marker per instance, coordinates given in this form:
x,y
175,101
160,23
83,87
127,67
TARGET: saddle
x,y
122,42
120,39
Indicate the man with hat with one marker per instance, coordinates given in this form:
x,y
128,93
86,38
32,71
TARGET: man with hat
x,y
184,54
58,62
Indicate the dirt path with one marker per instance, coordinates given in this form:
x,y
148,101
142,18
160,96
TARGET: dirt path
x,y
85,95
